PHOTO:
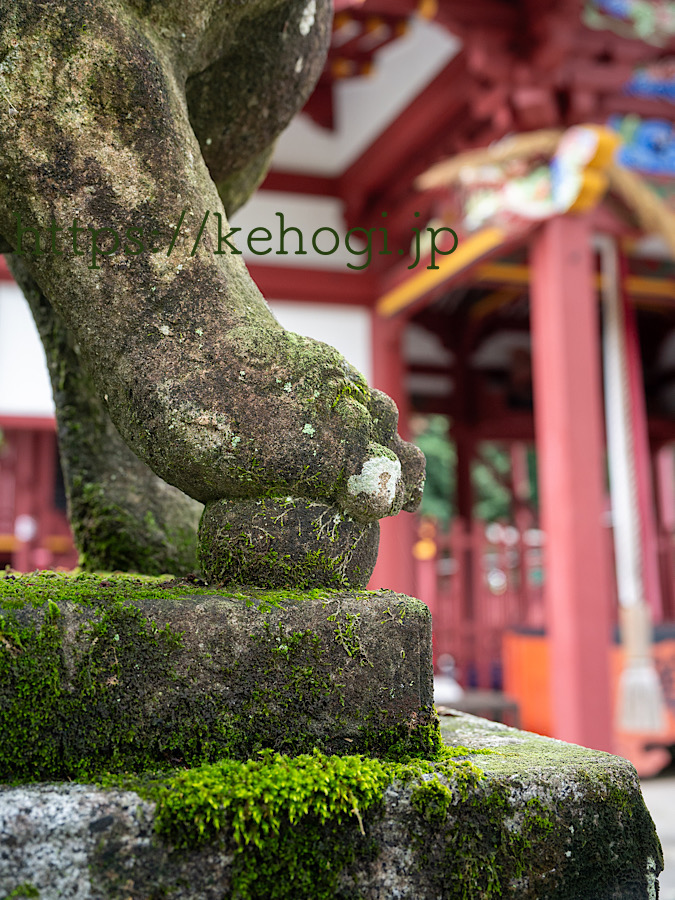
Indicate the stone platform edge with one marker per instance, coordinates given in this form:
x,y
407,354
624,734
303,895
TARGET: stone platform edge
x,y
509,815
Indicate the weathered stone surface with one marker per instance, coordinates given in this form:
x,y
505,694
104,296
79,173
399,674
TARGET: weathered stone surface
x,y
286,542
115,674
123,516
533,819
109,105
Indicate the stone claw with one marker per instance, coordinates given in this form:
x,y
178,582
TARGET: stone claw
x,y
389,474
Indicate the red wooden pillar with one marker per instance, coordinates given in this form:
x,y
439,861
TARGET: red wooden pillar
x,y
664,472
25,524
45,465
395,563
568,421
469,558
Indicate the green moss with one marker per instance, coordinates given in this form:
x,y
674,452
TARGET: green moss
x,y
238,563
433,801
293,824
417,740
111,536
523,827
46,729
355,390
24,890
347,632
105,688
480,854
89,588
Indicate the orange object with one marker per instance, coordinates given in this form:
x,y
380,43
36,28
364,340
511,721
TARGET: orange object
x,y
527,678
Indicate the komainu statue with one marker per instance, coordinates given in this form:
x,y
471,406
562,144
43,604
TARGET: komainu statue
x,y
129,129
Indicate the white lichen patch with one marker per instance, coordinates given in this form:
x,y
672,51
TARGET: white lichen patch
x,y
298,65
50,833
652,879
165,330
379,478
308,18
308,429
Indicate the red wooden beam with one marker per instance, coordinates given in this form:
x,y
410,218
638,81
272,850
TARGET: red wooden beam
x,y
395,564
604,77
299,183
458,15
455,14
315,285
28,423
644,107
591,43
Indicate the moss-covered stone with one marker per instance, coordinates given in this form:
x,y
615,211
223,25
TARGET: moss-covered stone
x,y
115,102
122,515
116,673
286,542
510,815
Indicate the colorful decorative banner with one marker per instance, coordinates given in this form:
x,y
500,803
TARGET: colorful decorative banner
x,y
652,21
649,144
655,81
534,188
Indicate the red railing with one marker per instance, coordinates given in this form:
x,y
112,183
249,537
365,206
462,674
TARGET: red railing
x,y
34,534
482,580
485,579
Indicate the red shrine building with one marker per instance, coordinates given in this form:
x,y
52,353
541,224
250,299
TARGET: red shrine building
x,y
477,207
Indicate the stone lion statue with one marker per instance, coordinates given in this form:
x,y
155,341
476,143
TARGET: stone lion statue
x,y
146,115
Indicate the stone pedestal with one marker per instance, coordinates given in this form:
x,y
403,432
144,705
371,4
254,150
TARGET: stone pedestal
x,y
513,816
280,747
117,674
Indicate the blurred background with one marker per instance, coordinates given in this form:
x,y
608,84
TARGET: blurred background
x,y
534,364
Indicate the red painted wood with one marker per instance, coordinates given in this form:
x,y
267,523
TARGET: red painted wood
x,y
664,477
45,461
5,274
665,483
475,641
457,14
644,107
608,221
28,423
605,77
315,285
299,183
568,419
24,495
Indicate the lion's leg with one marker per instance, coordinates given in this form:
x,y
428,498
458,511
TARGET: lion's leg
x,y
122,515
197,375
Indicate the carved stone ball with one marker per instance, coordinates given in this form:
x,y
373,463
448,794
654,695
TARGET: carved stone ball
x,y
285,542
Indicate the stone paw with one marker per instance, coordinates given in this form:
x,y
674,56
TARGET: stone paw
x,y
285,543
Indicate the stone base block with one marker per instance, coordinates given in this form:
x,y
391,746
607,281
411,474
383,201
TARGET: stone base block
x,y
502,814
122,674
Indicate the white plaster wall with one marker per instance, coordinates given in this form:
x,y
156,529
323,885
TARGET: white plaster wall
x,y
304,212
24,381
366,106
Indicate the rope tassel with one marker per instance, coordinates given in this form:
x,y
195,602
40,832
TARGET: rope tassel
x,y
640,703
